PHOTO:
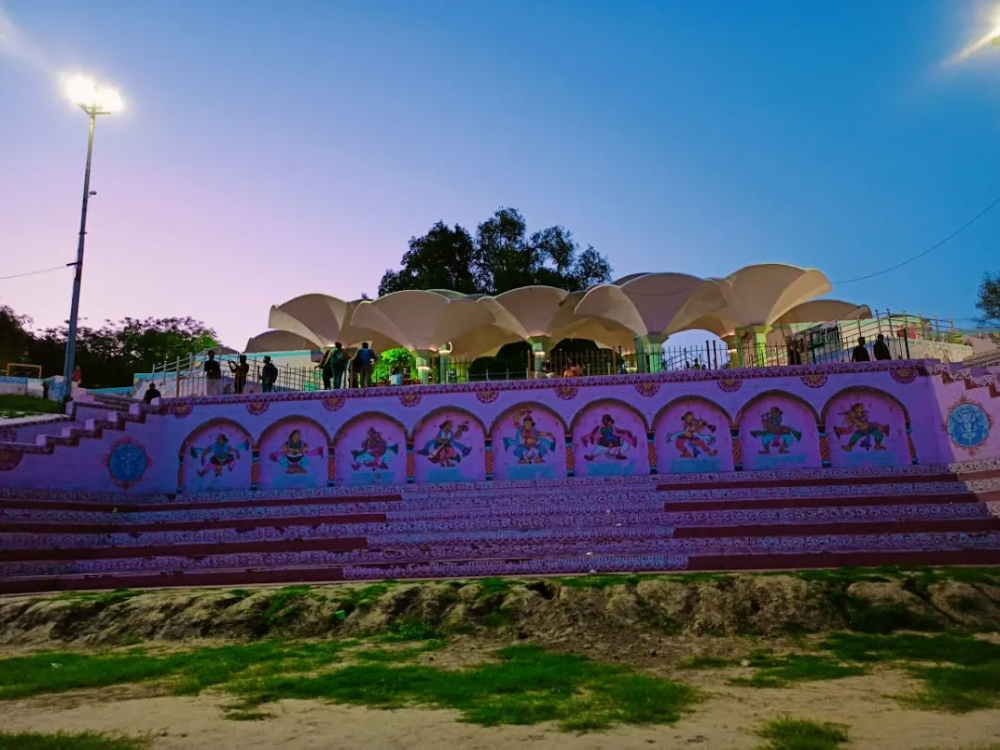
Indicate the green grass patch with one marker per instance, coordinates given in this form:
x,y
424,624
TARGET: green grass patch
x,y
412,630
106,598
800,734
74,741
702,661
14,406
188,673
387,655
781,671
527,686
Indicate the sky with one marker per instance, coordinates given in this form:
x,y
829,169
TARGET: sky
x,y
273,149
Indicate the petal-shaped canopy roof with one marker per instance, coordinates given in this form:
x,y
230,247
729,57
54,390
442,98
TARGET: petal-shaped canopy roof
x,y
421,321
278,341
823,310
640,304
654,304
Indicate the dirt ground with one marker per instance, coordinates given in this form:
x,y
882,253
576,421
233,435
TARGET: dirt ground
x,y
724,722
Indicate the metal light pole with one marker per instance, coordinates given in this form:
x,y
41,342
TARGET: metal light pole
x,y
94,101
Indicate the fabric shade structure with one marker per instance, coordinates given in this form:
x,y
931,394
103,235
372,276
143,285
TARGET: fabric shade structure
x,y
277,341
640,309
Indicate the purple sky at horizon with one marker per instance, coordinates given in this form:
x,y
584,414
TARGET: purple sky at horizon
x,y
271,150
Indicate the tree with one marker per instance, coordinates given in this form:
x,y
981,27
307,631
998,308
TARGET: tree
x,y
989,300
110,355
14,336
501,257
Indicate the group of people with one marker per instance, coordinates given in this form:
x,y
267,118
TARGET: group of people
x,y
880,349
334,365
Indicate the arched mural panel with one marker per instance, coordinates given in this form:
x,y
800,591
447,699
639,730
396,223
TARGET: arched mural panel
x,y
866,427
693,435
217,457
529,442
609,439
779,431
293,453
449,445
371,449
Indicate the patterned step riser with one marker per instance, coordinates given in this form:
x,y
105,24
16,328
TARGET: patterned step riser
x,y
418,552
554,525
65,522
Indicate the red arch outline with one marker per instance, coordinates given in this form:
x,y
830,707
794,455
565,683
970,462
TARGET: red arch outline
x,y
869,390
407,437
521,406
692,397
785,394
617,402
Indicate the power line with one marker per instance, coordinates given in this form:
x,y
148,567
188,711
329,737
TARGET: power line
x,y
35,273
931,249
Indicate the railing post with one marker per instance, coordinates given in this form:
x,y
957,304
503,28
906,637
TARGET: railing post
x,y
177,378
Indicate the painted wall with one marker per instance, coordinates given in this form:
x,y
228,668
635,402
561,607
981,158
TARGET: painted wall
x,y
969,414
841,415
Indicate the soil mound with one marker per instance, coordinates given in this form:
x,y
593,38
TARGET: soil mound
x,y
620,612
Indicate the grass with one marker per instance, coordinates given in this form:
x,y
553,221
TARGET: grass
x,y
800,734
781,671
107,598
702,661
13,406
959,674
74,741
526,686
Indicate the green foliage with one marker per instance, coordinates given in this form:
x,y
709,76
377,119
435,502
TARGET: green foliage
x,y
799,734
988,302
780,671
71,741
13,406
14,336
109,356
502,256
527,686
391,359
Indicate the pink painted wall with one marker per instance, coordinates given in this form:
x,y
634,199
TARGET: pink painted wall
x,y
779,431
693,435
609,438
294,452
866,428
529,442
157,455
449,446
371,449
216,457
969,418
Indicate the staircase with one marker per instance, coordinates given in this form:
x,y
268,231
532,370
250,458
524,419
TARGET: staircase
x,y
917,515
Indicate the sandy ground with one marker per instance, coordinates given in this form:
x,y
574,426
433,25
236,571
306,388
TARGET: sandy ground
x,y
724,722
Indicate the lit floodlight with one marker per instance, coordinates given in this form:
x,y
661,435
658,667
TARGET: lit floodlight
x,y
90,96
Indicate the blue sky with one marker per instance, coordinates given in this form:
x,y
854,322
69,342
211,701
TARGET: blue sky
x,y
272,149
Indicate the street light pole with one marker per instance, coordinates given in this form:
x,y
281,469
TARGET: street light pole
x,y
74,312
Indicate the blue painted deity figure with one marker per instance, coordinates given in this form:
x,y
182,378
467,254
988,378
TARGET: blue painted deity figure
x,y
219,455
530,444
444,449
775,432
608,441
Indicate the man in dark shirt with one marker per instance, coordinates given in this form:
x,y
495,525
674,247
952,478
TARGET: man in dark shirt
x,y
338,359
860,351
881,349
365,359
213,374
151,393
239,373
268,376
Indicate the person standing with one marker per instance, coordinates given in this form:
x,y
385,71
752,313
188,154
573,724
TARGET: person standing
x,y
151,392
213,374
860,353
239,374
881,349
365,360
338,360
268,375
325,367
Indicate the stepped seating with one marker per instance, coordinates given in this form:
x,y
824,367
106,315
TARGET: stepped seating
x,y
927,515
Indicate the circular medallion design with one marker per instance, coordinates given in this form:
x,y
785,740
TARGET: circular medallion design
x,y
333,403
257,407
487,395
904,375
647,389
409,399
127,463
566,393
814,380
9,460
730,385
968,425
181,410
